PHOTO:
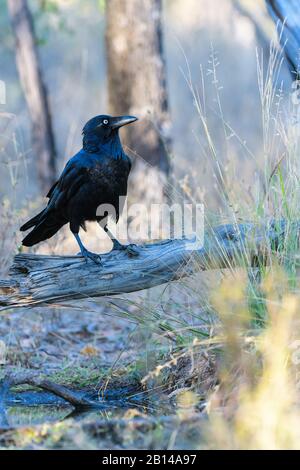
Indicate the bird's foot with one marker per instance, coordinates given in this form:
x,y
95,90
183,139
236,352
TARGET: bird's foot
x,y
89,255
131,249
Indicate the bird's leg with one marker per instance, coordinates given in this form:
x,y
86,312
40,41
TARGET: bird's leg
x,y
131,249
86,253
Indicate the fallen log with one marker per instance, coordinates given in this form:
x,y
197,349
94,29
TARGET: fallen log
x,y
43,280
75,398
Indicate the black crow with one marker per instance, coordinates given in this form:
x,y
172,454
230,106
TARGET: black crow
x,y
96,175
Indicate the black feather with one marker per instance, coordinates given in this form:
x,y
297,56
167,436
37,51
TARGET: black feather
x,y
32,222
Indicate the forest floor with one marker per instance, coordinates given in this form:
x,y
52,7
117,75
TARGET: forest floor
x,y
92,350
180,366
103,347
81,349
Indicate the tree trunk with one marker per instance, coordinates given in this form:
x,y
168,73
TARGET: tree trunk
x,y
34,90
286,14
137,86
42,279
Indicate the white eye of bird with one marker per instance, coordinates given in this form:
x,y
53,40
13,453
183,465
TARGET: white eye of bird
x,y
105,121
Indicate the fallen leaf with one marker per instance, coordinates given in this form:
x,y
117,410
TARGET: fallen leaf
x,y
89,350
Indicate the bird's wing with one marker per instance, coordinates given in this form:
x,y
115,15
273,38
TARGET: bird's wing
x,y
72,178
50,192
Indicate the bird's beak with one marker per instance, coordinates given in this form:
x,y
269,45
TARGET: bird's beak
x,y
120,121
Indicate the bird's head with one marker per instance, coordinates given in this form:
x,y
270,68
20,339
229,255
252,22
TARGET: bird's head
x,y
106,127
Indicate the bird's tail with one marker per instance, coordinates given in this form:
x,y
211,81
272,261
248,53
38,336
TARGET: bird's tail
x,y
46,225
34,221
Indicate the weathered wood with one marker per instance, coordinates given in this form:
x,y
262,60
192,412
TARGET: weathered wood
x,y
44,280
74,397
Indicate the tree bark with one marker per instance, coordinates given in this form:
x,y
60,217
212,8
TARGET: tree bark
x,y
42,280
34,89
137,85
286,15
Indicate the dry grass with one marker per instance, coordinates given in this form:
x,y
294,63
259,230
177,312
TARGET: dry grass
x,y
236,357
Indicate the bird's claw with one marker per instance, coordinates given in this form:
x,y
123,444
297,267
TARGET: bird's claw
x,y
92,256
131,249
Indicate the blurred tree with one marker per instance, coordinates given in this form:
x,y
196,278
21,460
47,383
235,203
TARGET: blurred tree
x,y
258,15
286,14
137,85
31,79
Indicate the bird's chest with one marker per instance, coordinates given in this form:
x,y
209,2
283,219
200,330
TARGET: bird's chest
x,y
108,180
